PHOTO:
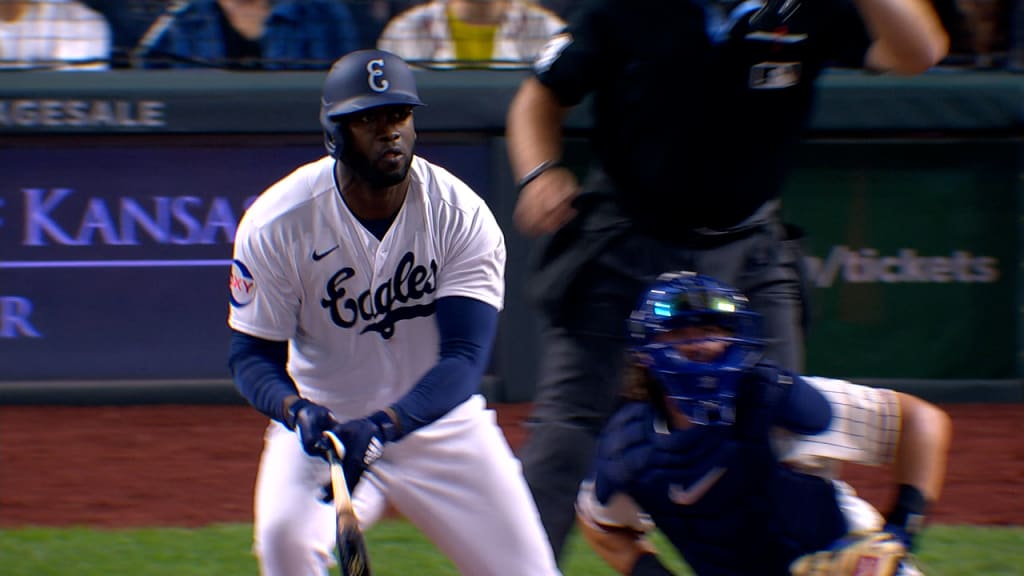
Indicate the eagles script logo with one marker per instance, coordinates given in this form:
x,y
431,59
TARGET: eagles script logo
x,y
393,300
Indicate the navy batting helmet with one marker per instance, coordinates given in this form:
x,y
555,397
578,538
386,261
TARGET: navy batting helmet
x,y
704,391
360,80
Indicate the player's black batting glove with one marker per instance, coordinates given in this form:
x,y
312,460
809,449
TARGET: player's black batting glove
x,y
310,421
907,516
364,443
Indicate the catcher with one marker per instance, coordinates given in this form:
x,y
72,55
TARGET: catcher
x,y
734,460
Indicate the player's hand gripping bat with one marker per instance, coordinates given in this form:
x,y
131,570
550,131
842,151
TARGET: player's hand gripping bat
x,y
352,558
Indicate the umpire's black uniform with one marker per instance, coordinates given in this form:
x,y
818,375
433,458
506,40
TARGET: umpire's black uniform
x,y
696,114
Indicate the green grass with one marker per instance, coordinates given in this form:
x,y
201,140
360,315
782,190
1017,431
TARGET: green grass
x,y
396,549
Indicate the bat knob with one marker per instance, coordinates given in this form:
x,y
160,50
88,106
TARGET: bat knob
x,y
339,448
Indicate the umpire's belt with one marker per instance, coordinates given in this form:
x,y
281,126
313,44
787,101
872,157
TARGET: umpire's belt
x,y
705,238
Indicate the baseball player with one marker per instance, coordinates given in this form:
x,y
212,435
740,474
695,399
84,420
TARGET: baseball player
x,y
365,293
728,455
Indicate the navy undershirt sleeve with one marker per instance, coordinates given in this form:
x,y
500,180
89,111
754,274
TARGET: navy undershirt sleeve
x,y
467,327
258,368
806,410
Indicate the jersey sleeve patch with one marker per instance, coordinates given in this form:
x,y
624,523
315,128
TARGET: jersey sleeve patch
x,y
243,286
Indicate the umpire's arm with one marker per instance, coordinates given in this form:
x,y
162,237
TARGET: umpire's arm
x,y
908,37
534,131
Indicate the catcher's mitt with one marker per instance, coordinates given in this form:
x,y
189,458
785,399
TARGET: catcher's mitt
x,y
863,554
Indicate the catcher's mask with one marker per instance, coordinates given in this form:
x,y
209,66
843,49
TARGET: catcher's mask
x,y
703,390
361,80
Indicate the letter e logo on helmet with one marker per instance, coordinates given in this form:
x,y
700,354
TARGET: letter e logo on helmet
x,y
376,78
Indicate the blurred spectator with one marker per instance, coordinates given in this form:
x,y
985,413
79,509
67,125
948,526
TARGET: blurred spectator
x,y
1016,36
473,33
52,35
249,34
961,47
129,20
988,23
372,15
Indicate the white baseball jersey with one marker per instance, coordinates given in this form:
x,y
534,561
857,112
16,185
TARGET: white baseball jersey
x,y
358,311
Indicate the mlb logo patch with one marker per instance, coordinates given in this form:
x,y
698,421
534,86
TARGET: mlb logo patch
x,y
774,75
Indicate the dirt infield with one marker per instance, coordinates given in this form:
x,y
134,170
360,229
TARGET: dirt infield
x,y
174,465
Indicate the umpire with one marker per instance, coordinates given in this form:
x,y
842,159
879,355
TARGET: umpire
x,y
697,106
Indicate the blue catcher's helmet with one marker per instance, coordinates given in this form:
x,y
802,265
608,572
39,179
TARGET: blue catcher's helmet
x,y
361,80
704,391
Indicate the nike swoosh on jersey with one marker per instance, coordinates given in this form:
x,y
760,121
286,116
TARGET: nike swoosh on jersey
x,y
686,497
318,256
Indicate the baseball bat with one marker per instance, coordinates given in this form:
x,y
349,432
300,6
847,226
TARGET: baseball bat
x,y
352,557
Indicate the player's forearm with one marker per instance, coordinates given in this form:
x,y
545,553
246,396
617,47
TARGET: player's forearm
x,y
920,466
534,128
467,327
924,446
259,373
449,383
908,36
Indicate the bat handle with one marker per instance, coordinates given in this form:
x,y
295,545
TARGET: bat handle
x,y
339,448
